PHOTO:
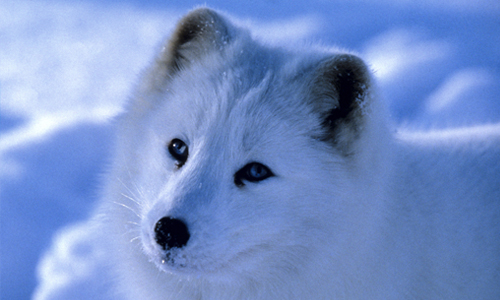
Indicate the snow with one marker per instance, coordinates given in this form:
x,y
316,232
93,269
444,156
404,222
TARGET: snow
x,y
66,68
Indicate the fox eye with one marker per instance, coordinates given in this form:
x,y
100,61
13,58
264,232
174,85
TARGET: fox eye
x,y
179,151
252,172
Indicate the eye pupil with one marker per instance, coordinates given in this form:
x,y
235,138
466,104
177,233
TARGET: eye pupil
x,y
252,172
179,151
257,171
179,148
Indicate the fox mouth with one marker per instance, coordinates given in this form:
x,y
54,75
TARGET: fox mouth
x,y
169,261
173,260
173,248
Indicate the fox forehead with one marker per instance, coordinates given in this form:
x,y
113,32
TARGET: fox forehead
x,y
227,104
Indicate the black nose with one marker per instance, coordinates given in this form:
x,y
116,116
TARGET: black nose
x,y
171,233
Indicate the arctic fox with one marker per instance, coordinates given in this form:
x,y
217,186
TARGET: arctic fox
x,y
250,171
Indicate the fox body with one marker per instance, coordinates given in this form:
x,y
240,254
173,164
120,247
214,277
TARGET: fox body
x,y
250,171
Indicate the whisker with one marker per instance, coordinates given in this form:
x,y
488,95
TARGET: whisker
x,y
134,196
130,198
128,207
137,188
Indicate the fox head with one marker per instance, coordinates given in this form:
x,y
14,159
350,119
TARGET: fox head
x,y
238,160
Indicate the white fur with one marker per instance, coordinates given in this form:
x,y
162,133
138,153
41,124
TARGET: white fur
x,y
391,219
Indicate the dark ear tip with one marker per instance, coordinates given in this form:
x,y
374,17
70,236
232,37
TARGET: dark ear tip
x,y
347,77
198,17
200,31
341,87
350,58
202,12
352,66
193,24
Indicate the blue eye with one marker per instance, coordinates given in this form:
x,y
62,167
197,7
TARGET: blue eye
x,y
252,172
179,151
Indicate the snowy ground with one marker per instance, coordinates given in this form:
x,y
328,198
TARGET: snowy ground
x,y
66,68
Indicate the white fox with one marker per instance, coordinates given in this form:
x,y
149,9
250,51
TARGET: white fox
x,y
251,171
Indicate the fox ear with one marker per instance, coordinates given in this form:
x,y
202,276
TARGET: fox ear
x,y
341,93
197,34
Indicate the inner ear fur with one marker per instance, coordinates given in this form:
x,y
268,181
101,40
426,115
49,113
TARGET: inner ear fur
x,y
340,89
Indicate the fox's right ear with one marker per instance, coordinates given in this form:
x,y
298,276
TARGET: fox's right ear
x,y
197,34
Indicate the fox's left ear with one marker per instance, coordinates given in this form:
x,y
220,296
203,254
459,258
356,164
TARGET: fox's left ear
x,y
341,93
